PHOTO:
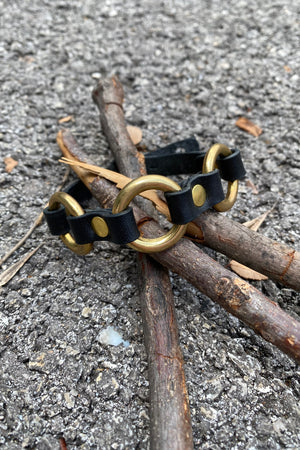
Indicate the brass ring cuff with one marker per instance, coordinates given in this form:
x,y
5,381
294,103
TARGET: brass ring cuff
x,y
137,186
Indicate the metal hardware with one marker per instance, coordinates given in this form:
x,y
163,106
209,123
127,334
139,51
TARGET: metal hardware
x,y
134,188
100,227
209,164
73,209
199,195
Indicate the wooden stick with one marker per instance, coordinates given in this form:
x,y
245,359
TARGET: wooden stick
x,y
169,408
238,297
278,261
170,421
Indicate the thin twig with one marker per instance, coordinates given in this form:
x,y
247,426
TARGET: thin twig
x,y
11,271
19,244
277,261
62,444
36,223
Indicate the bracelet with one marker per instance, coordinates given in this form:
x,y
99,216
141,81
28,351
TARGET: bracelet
x,y
78,228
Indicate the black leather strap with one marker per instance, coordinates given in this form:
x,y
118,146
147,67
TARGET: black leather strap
x,y
174,159
185,157
181,204
122,226
57,221
79,191
231,167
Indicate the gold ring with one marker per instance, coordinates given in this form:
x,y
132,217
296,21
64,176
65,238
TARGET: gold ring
x,y
209,164
73,209
134,188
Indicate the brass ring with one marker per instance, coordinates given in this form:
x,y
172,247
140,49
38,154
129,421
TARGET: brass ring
x,y
209,164
134,188
73,209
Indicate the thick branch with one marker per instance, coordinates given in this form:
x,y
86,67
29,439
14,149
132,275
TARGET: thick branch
x,y
109,97
170,425
278,261
238,297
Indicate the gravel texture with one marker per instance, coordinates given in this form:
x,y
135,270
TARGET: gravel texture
x,y
187,68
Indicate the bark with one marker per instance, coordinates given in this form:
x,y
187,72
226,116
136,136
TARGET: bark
x,y
169,409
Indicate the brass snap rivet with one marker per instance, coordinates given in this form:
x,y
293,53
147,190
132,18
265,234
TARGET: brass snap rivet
x,y
199,195
100,227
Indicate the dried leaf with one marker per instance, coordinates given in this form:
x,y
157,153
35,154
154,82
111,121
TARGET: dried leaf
x,y
246,125
287,69
10,164
246,272
135,134
9,273
240,269
252,186
120,181
66,119
254,224
28,59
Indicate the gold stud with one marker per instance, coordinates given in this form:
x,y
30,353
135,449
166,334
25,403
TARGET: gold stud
x,y
199,195
100,227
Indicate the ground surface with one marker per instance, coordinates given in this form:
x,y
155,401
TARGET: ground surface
x,y
187,68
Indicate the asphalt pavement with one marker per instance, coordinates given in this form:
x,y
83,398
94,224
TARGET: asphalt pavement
x,y
188,68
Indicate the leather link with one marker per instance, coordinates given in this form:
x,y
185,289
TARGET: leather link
x,y
181,204
231,167
122,226
185,157
174,159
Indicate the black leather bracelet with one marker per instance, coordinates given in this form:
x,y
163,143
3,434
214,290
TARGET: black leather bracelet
x,y
179,157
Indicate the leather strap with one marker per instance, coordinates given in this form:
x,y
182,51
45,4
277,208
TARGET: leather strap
x,y
181,204
174,159
231,167
185,157
122,226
